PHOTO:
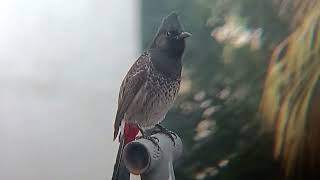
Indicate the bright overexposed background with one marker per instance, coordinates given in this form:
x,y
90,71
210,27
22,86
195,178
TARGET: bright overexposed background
x,y
61,64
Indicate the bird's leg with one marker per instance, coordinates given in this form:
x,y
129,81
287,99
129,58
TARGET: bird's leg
x,y
160,129
148,136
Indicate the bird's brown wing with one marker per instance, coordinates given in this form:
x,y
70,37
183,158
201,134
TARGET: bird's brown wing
x,y
130,86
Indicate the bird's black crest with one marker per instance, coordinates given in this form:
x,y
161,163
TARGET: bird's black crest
x,y
170,38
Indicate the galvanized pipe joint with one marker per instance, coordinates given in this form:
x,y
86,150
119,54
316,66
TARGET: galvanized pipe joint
x,y
144,158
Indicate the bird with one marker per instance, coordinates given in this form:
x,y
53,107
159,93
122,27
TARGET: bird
x,y
150,87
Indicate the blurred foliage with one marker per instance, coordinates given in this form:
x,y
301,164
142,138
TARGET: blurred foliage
x,y
292,94
295,11
224,69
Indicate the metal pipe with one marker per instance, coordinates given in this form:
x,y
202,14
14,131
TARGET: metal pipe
x,y
144,158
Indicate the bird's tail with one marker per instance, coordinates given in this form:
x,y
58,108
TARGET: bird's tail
x,y
120,172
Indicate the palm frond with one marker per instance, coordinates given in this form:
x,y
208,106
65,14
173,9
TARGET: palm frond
x,y
288,97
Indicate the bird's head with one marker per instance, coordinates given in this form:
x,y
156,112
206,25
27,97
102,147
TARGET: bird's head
x,y
170,37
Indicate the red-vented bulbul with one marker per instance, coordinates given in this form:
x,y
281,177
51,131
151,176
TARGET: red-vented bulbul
x,y
150,87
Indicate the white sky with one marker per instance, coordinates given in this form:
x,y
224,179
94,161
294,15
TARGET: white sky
x,y
61,64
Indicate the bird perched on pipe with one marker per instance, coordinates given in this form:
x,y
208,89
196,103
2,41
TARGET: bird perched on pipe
x,y
150,88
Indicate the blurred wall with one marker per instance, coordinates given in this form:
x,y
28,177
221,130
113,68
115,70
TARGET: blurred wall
x,y
61,64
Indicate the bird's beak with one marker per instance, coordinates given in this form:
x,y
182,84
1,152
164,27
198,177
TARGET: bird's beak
x,y
184,35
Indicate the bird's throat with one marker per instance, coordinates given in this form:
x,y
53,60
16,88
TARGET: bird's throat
x,y
163,62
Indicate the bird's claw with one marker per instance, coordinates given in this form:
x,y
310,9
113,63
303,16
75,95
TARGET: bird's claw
x,y
163,130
